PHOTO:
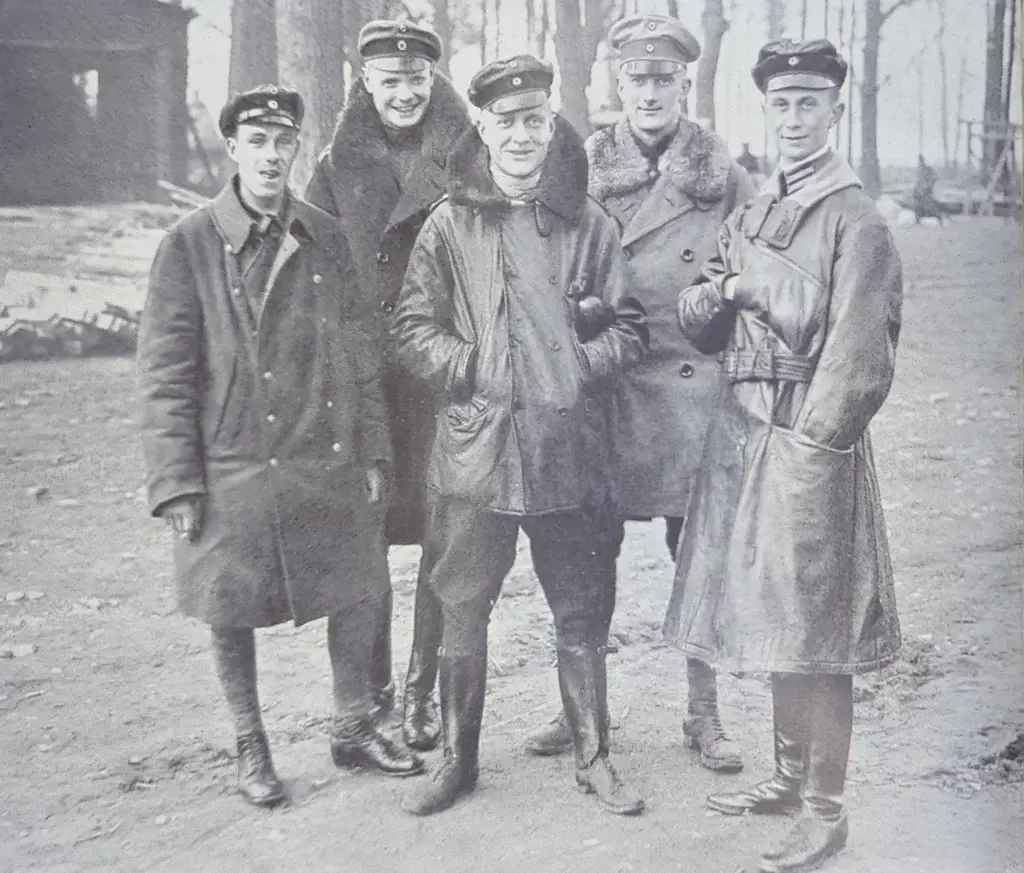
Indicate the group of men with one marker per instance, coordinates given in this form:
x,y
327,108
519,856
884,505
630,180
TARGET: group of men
x,y
470,329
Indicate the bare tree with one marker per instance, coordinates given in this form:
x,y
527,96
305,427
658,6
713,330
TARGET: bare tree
x,y
253,45
442,24
961,81
579,27
940,46
312,60
775,18
803,20
994,81
715,25
875,17
673,9
352,15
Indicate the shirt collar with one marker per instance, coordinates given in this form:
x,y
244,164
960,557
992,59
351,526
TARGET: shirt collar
x,y
236,222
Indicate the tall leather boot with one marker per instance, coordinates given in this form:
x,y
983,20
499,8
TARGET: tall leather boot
x,y
421,727
463,684
584,686
822,829
779,794
703,725
381,685
356,742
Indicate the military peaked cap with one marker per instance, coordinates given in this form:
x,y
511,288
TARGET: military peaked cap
x,y
517,83
266,104
652,44
789,64
398,39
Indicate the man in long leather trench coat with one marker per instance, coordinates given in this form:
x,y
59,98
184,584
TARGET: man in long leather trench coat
x,y
783,564
265,433
669,185
496,311
383,170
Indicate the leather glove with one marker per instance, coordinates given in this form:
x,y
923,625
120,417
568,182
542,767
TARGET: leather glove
x,y
741,291
593,316
184,515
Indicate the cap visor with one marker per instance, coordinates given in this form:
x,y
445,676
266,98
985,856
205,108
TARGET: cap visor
x,y
270,118
652,67
806,81
518,102
398,63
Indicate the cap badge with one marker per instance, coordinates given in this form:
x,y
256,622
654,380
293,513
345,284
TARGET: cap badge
x,y
649,48
513,64
652,25
517,81
272,104
402,28
793,61
402,45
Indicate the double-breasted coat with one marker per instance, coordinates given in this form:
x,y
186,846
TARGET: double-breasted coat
x,y
273,420
669,219
487,314
381,211
783,563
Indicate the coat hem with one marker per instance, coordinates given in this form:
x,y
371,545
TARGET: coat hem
x,y
812,668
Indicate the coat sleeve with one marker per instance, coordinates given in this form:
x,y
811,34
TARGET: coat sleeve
x,y
421,326
705,315
858,359
319,191
168,363
625,342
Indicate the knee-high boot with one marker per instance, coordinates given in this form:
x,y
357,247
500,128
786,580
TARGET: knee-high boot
x,y
463,684
779,794
584,685
822,829
703,725
420,726
382,687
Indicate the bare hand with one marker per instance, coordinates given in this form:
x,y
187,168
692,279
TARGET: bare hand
x,y
184,516
376,485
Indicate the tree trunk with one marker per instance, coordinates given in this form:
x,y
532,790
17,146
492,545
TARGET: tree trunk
x,y
353,14
870,171
994,84
851,82
775,18
253,45
944,83
443,28
673,9
312,60
960,81
715,26
576,43
803,20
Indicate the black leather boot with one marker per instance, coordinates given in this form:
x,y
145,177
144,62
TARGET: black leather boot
x,y
584,685
421,727
703,725
780,794
463,686
822,830
554,738
257,781
381,685
356,742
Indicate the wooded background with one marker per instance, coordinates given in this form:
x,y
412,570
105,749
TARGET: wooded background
x,y
310,45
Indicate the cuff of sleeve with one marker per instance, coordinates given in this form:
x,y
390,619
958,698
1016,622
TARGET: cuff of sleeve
x,y
464,372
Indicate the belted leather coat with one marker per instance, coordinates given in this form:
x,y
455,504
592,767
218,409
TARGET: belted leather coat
x,y
783,563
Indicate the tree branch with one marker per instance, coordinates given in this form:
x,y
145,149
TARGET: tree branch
x,y
910,63
899,4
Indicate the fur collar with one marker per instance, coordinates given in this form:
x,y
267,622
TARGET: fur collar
x,y
563,179
697,162
360,146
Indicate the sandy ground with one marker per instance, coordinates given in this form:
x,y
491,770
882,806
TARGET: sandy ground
x,y
116,752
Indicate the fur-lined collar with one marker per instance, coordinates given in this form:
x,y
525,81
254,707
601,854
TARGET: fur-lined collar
x,y
563,178
696,161
359,142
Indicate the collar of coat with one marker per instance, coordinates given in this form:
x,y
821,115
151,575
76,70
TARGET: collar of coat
x,y
306,222
696,161
359,144
833,174
563,178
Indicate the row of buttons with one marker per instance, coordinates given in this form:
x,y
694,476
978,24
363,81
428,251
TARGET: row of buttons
x,y
275,463
686,255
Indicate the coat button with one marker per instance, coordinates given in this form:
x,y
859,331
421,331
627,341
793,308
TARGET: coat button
x,y
627,254
383,257
388,307
317,278
236,291
271,418
556,347
686,370
330,404
273,462
336,447
552,279
268,376
686,255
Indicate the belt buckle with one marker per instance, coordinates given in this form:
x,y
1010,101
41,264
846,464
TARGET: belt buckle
x,y
764,358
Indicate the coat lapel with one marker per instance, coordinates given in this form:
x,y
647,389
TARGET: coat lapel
x,y
664,203
423,188
289,246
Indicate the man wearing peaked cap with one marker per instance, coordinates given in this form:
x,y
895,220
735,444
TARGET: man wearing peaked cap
x,y
513,306
266,441
669,184
383,170
784,566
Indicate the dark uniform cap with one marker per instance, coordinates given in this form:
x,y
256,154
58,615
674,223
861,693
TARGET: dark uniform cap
x,y
652,45
517,83
266,104
815,65
407,43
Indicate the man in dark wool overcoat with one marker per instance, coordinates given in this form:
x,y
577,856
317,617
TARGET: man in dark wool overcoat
x,y
384,169
265,433
783,565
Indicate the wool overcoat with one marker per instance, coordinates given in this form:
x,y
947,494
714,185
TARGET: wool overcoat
x,y
487,315
669,219
358,180
783,562
274,421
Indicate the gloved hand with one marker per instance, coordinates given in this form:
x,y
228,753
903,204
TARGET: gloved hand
x,y
184,515
593,316
742,291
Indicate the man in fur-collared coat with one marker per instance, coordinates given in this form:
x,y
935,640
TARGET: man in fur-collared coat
x,y
669,184
384,169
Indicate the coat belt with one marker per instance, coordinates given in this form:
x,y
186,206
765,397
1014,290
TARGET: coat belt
x,y
767,365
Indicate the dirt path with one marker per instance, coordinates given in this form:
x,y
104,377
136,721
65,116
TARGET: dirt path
x,y
115,749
